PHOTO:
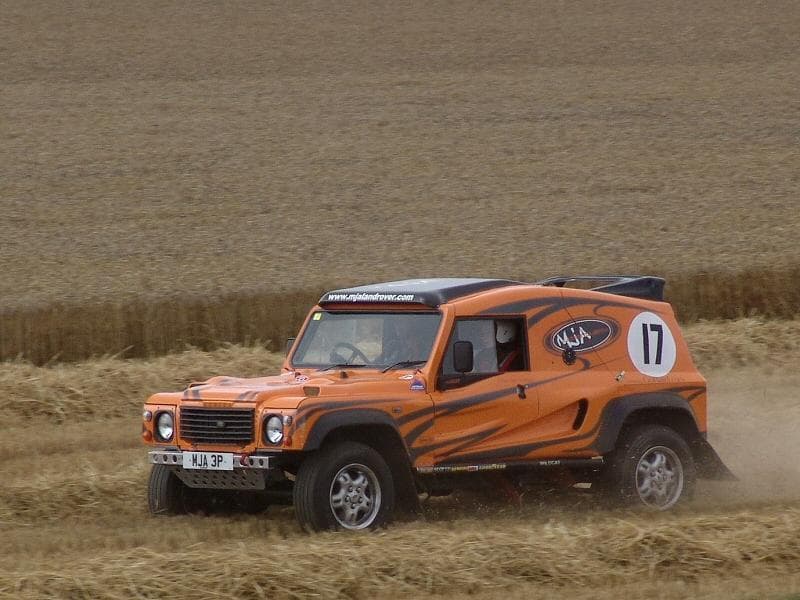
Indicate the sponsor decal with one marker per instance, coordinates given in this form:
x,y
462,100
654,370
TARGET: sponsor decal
x,y
407,376
462,468
417,386
369,297
317,316
301,379
582,335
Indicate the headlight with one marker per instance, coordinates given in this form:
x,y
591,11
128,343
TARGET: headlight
x,y
165,426
274,430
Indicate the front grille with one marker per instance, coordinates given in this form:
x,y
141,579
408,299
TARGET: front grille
x,y
217,425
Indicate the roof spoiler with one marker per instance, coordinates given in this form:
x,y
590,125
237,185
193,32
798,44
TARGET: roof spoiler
x,y
635,286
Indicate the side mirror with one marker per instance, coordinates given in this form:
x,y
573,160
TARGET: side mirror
x,y
462,357
289,344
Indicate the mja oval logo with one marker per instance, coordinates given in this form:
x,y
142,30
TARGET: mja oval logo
x,y
582,335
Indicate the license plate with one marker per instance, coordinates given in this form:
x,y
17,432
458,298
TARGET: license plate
x,y
209,461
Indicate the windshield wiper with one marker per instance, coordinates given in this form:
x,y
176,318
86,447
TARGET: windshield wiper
x,y
342,366
404,363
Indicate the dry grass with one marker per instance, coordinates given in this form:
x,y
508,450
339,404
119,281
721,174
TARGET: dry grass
x,y
74,524
775,345
434,559
116,387
111,386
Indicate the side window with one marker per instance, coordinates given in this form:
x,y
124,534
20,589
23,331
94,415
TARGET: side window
x,y
498,345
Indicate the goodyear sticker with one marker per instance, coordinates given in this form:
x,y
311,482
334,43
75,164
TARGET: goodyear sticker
x,y
461,468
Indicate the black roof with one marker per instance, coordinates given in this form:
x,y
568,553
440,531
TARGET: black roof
x,y
428,292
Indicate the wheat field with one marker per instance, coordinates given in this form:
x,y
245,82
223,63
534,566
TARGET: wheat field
x,y
180,180
152,327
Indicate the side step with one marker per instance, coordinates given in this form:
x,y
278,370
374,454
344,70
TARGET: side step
x,y
594,462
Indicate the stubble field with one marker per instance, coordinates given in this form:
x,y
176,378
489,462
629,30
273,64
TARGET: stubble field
x,y
178,173
74,522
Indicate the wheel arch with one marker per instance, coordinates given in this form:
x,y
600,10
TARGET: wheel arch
x,y
660,408
626,412
376,429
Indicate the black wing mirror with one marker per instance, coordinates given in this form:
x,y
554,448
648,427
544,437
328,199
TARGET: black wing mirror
x,y
462,357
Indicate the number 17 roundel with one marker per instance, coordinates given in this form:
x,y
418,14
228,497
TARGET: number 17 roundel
x,y
651,345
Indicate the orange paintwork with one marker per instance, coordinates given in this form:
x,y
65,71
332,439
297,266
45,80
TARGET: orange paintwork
x,y
486,421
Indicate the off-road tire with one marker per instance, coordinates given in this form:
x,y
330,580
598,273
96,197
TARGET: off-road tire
x,y
315,481
166,494
632,477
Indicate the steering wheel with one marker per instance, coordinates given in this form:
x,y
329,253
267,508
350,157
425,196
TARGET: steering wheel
x,y
355,352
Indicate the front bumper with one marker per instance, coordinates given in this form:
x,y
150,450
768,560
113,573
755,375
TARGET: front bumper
x,y
174,458
249,472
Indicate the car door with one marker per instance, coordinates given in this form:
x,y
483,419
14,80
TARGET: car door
x,y
480,413
570,380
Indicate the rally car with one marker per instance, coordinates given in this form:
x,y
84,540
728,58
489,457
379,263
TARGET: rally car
x,y
396,389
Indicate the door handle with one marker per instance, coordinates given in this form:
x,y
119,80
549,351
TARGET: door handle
x,y
521,391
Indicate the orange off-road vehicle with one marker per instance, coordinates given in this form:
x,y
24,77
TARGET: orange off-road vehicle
x,y
423,386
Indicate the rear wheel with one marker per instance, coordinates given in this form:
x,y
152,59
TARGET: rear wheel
x,y
346,485
652,468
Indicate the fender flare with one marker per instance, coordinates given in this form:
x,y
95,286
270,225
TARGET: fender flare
x,y
348,417
617,412
405,484
709,464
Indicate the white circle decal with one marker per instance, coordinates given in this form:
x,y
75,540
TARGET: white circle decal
x,y
651,345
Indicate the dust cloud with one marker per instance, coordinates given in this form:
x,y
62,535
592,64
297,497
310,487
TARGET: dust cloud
x,y
754,424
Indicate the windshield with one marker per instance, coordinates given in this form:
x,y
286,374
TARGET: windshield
x,y
371,339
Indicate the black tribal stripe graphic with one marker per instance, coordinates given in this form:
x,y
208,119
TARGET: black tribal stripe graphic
x,y
512,452
247,396
452,407
606,416
461,442
306,411
552,304
192,393
195,392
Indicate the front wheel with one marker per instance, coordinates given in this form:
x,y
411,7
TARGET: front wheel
x,y
166,494
651,468
346,485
